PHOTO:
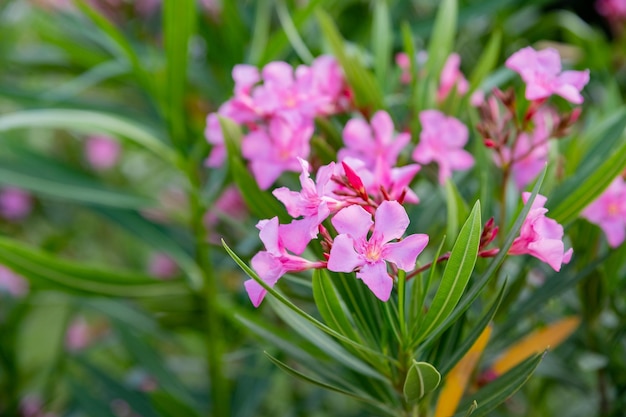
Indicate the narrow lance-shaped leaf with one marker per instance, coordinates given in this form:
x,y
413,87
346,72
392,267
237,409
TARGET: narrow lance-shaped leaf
x,y
327,386
367,93
51,272
330,305
499,390
90,122
261,203
456,274
382,41
487,61
442,37
481,282
179,18
299,311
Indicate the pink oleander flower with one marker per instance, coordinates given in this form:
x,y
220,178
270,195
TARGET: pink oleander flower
x,y
15,203
609,212
373,141
162,266
102,152
404,63
541,236
313,203
612,9
441,141
12,283
541,71
451,77
276,149
274,261
352,250
529,154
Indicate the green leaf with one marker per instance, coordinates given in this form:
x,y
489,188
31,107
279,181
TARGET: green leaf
x,y
121,47
92,406
317,337
278,43
137,400
499,390
474,334
261,203
299,311
49,178
291,31
487,61
481,282
51,272
179,19
457,210
382,41
289,370
330,306
367,92
457,273
603,163
421,379
89,122
442,37
157,238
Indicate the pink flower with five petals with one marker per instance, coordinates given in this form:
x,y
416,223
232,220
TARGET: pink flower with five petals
x,y
541,236
442,140
541,71
609,212
352,250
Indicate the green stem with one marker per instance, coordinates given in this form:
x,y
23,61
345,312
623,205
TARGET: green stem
x,y
219,385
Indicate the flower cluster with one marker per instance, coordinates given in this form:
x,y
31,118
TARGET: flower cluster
x,y
353,208
278,107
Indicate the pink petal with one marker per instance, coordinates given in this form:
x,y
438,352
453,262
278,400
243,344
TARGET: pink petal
x,y
357,135
615,231
577,79
278,72
377,279
549,251
460,160
405,253
269,235
391,221
296,235
290,199
255,291
354,221
266,173
383,127
343,257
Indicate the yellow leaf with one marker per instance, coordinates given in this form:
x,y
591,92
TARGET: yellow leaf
x,y
536,342
457,379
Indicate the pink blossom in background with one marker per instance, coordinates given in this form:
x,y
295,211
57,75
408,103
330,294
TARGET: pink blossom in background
x,y
102,152
12,283
162,266
15,203
274,261
441,140
529,154
276,149
230,203
373,141
452,77
352,250
612,9
79,335
147,7
403,61
609,212
541,236
541,71
32,406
